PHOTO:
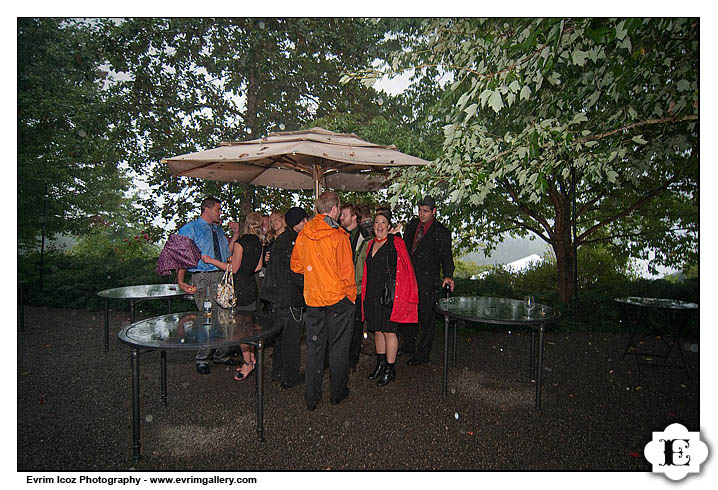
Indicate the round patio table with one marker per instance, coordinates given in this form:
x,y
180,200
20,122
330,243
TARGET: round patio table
x,y
136,294
666,319
499,311
192,331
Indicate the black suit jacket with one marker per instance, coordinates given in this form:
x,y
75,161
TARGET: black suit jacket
x,y
432,259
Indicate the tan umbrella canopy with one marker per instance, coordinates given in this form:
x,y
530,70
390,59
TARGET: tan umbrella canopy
x,y
297,160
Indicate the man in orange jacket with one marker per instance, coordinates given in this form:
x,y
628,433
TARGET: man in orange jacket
x,y
322,253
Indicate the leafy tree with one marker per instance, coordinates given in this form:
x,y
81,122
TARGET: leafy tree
x,y
537,102
64,120
188,84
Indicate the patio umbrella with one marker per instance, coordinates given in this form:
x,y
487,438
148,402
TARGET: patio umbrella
x,y
297,160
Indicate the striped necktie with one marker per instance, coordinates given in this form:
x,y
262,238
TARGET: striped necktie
x,y
215,242
417,236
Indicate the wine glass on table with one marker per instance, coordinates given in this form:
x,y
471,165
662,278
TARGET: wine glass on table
x,y
529,303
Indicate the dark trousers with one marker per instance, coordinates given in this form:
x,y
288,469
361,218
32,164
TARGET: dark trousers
x,y
357,334
328,330
427,317
287,346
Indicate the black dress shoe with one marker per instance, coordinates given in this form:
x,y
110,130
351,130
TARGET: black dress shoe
x,y
202,368
296,382
402,352
417,361
227,362
337,401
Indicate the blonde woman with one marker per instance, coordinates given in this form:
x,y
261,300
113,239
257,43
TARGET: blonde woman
x,y
246,261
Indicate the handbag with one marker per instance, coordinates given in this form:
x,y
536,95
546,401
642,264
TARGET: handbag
x,y
387,295
225,289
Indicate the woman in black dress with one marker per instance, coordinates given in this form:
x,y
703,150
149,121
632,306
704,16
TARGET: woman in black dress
x,y
387,261
246,261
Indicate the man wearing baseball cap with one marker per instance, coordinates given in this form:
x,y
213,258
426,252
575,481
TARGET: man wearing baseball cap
x,y
429,245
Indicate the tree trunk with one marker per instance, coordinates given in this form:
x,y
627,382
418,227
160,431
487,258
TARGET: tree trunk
x,y
563,248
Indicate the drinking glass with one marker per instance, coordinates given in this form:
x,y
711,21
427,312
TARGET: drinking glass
x,y
529,303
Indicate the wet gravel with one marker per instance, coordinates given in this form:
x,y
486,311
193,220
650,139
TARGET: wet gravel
x,y
598,411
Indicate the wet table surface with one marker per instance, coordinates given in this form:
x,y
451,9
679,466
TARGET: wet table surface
x,y
500,311
145,291
193,331
660,303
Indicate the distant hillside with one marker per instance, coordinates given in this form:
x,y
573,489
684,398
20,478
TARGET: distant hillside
x,y
509,250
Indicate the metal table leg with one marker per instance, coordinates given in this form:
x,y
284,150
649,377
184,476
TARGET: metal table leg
x,y
169,305
132,311
163,377
539,374
260,391
445,373
532,368
135,364
21,308
107,325
456,323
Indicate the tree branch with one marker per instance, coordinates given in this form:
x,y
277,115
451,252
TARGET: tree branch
x,y
527,210
599,136
642,201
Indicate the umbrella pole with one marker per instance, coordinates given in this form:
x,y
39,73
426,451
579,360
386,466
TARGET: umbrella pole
x,y
317,175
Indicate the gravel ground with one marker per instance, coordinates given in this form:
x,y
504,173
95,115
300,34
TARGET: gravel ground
x,y
74,408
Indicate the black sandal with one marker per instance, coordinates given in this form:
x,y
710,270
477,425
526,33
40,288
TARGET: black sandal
x,y
239,376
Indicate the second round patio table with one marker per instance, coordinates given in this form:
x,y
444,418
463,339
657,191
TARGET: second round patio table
x,y
499,311
135,294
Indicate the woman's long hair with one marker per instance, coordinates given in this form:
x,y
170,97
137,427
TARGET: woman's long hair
x,y
253,224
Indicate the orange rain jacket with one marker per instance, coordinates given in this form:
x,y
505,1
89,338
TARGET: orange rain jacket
x,y
323,254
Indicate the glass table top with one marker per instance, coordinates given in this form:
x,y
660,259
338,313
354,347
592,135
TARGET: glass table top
x,y
662,303
146,291
189,330
496,310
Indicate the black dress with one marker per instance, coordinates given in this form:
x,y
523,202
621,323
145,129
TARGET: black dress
x,y
245,285
377,315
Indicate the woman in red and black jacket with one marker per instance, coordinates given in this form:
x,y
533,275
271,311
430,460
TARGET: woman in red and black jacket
x,y
389,294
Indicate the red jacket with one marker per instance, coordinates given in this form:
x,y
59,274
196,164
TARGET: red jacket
x,y
406,292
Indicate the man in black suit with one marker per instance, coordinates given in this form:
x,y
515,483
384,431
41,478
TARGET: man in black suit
x,y
429,245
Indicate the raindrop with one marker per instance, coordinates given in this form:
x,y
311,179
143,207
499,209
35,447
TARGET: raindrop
x,y
430,118
82,133
453,391
281,126
149,418
380,101
309,268
260,24
456,415
314,338
249,130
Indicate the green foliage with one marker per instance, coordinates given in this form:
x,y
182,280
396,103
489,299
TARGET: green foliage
x,y
615,100
73,280
125,247
465,269
190,83
65,123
